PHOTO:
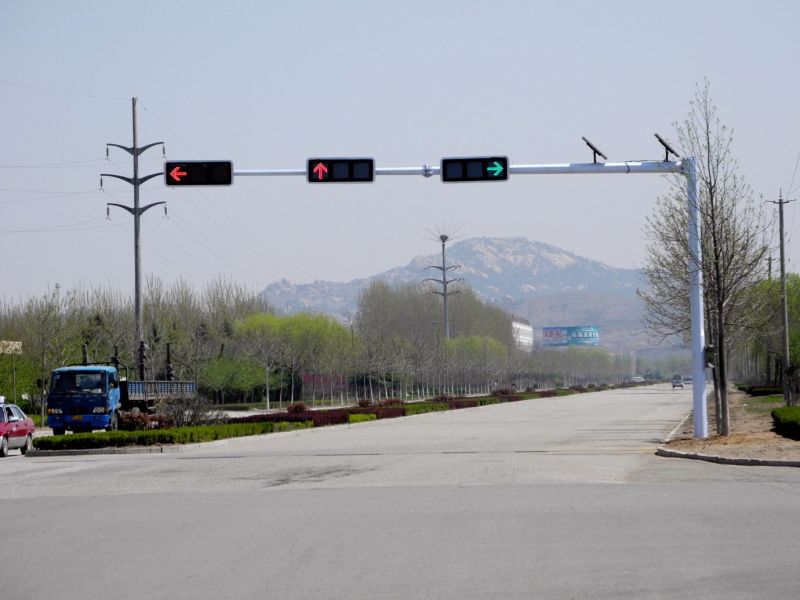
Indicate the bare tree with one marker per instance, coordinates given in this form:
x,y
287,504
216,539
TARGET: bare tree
x,y
735,243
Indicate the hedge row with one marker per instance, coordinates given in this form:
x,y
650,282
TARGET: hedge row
x,y
297,418
387,410
151,437
787,421
357,418
761,390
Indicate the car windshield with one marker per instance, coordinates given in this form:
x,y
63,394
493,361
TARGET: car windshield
x,y
79,382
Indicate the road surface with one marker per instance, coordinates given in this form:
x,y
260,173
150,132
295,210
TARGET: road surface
x,y
549,498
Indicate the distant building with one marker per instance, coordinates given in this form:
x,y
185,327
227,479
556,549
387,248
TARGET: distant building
x,y
522,331
582,335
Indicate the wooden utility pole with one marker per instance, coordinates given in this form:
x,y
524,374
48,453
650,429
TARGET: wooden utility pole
x,y
788,397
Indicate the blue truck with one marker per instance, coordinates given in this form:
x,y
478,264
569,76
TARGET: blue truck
x,y
88,397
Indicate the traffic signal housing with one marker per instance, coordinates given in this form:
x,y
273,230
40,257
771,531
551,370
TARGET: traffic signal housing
x,y
710,356
197,172
340,170
478,168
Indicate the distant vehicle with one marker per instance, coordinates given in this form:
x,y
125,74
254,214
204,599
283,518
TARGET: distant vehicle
x,y
16,430
637,379
88,397
677,382
688,379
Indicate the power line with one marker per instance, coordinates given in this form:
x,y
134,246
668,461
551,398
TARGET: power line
x,y
54,196
186,229
76,226
237,238
182,269
59,165
150,112
57,91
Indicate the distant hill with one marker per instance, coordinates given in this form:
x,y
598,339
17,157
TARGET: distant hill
x,y
545,284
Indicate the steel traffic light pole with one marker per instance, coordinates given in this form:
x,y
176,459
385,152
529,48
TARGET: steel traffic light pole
x,y
686,167
137,212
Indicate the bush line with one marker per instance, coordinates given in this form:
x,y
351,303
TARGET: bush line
x,y
298,417
787,421
181,435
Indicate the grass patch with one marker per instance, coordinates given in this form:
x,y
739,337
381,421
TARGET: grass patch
x,y
361,418
419,408
158,437
763,404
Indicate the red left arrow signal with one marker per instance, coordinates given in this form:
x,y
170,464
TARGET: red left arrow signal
x,y
320,170
176,173
198,172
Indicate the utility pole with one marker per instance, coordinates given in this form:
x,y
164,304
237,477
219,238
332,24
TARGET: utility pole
x,y
444,282
137,212
787,370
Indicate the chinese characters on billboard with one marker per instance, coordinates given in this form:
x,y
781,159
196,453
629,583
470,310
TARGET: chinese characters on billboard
x,y
583,335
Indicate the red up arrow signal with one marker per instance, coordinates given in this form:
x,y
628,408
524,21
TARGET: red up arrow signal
x,y
176,173
320,170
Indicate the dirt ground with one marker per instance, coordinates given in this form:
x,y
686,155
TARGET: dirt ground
x,y
751,433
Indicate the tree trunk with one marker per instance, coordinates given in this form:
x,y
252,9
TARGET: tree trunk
x,y
722,373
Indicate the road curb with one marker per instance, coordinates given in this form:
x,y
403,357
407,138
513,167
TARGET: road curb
x,y
745,462
107,450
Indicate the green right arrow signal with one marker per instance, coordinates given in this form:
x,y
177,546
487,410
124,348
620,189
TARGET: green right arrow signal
x,y
495,169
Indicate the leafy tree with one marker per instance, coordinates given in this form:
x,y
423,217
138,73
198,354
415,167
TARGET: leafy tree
x,y
734,245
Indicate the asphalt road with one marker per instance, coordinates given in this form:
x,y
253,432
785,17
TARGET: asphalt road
x,y
550,498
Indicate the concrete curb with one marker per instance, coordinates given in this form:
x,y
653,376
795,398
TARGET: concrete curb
x,y
108,450
746,462
721,460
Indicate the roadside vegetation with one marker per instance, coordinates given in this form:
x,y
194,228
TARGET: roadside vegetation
x,y
787,421
736,240
244,354
155,430
159,437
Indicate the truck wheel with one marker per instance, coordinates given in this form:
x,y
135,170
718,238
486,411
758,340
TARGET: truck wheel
x,y
3,447
58,431
28,445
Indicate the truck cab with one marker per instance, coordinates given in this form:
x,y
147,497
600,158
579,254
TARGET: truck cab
x,y
83,398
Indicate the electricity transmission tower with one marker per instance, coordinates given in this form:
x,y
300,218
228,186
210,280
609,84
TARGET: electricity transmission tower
x,y
444,282
137,212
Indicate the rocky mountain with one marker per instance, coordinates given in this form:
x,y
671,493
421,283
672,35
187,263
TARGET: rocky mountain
x,y
545,284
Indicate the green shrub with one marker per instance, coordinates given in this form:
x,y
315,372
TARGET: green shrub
x,y
787,421
152,437
360,418
761,390
423,407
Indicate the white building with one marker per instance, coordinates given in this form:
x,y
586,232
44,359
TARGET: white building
x,y
522,331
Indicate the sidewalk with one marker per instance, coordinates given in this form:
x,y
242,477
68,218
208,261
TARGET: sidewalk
x,y
752,441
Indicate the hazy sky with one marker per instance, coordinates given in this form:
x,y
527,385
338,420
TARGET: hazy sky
x,y
271,84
